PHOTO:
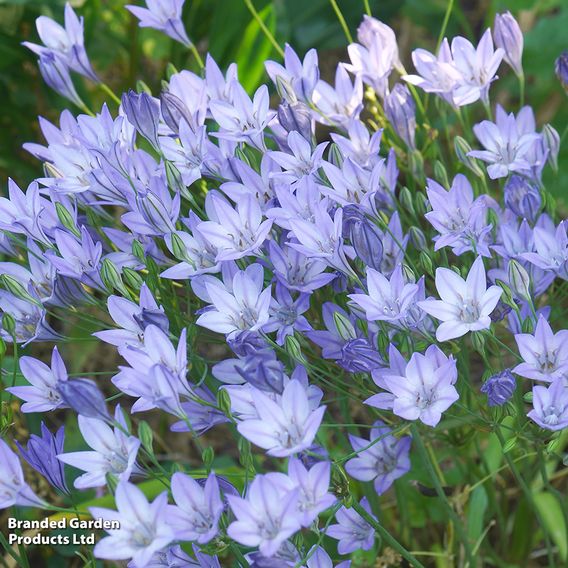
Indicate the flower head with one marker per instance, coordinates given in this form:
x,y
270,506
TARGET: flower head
x,y
381,459
465,305
352,531
550,405
143,526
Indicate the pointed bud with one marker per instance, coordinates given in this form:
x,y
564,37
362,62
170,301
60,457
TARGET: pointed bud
x,y
552,144
440,174
146,436
15,288
143,112
132,278
294,350
66,219
296,117
519,280
561,68
462,149
509,37
405,198
344,327
9,324
401,112
84,397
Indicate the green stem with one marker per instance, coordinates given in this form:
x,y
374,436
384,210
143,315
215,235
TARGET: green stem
x,y
417,439
387,537
445,23
263,27
198,58
110,93
342,21
367,8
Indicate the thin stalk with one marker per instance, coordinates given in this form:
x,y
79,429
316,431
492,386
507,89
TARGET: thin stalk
x,y
445,23
263,27
387,537
342,21
110,93
456,521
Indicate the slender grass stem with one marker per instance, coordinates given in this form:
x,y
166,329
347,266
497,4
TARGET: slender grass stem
x,y
341,19
445,23
263,27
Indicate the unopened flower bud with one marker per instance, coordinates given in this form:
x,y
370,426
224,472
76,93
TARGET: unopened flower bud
x,y
143,112
552,144
519,280
66,219
367,242
296,117
561,68
344,327
522,197
499,388
509,37
401,112
84,397
441,174
462,149
173,110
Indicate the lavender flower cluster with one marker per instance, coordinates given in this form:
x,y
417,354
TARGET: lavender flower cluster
x,y
336,272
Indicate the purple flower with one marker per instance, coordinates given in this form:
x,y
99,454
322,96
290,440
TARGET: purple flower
x,y
286,314
198,255
477,67
424,391
465,304
285,427
235,233
401,113
54,70
561,68
163,15
43,393
196,516
545,354
339,104
114,452
189,153
313,483
143,112
499,388
459,218
133,319
297,271
300,161
267,516
551,249
244,307
384,461
436,74
386,300
522,197
361,146
243,119
352,531
507,142
365,237
66,42
84,397
322,238
157,372
13,488
509,37
360,356
375,56
25,213
296,78
79,259
41,454
143,527
550,405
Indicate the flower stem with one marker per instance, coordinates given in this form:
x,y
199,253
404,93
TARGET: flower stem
x,y
440,491
342,21
263,27
387,537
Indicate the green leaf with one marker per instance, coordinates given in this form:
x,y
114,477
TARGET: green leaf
x,y
553,519
475,513
254,49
